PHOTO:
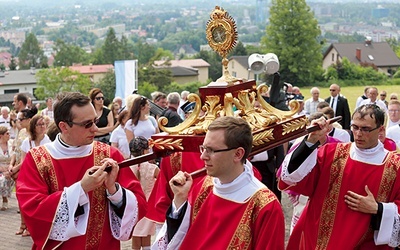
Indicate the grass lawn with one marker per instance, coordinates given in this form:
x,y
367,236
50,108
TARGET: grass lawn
x,y
351,93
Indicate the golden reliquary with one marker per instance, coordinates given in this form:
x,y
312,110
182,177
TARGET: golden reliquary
x,y
271,127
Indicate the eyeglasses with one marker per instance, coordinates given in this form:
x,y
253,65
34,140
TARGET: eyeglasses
x,y
21,119
211,151
364,130
332,90
99,98
87,124
382,95
40,125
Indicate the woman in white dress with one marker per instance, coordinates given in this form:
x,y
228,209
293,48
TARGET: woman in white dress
x,y
118,136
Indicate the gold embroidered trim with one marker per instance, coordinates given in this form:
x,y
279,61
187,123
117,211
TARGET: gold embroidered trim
x,y
205,190
388,178
45,167
242,237
331,199
98,202
176,162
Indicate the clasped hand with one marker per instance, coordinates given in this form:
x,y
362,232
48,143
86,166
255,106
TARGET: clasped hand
x,y
180,185
96,176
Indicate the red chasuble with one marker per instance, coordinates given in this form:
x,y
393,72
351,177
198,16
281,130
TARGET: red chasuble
x,y
161,196
257,223
41,183
327,222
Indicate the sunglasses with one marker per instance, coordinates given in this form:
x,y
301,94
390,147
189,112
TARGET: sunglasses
x,y
99,98
21,119
86,125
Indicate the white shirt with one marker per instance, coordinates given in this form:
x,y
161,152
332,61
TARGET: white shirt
x,y
394,134
5,122
378,102
27,144
118,136
310,106
143,128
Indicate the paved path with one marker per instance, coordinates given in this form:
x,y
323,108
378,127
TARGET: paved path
x,y
10,222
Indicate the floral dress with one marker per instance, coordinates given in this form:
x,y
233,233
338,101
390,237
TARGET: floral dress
x,y
6,183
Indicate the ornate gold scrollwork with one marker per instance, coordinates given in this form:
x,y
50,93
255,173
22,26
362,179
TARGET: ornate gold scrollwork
x,y
189,121
263,137
221,34
166,144
294,105
294,125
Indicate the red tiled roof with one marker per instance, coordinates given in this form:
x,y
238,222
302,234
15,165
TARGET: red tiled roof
x,y
92,69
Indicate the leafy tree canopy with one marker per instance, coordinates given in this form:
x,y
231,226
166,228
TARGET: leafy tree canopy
x,y
292,35
56,80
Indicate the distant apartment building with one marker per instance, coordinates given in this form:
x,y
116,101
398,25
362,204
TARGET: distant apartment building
x,y
15,36
102,32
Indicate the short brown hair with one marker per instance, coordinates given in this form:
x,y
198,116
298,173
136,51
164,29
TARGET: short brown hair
x,y
3,130
62,108
237,133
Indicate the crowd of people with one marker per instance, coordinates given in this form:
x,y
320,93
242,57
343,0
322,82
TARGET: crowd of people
x,y
63,161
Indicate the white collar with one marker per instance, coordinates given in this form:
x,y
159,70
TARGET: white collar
x,y
374,155
241,188
59,149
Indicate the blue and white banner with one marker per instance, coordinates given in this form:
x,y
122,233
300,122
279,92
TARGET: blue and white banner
x,y
125,77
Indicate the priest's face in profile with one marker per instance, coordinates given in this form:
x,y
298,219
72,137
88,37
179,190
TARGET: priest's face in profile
x,y
81,130
220,161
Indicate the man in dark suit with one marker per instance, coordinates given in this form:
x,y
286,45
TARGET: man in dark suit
x,y
339,105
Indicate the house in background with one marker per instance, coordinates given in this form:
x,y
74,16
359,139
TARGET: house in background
x,y
185,70
184,50
238,67
378,53
94,72
14,82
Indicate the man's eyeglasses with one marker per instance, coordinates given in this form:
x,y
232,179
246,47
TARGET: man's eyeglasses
x,y
332,90
211,151
364,130
383,95
99,98
87,124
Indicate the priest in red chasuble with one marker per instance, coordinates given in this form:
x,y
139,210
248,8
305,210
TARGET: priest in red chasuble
x,y
229,208
67,196
353,188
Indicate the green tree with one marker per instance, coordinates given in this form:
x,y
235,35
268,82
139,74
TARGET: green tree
x,y
215,61
111,48
55,80
67,55
13,64
107,85
160,78
31,55
239,50
292,35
